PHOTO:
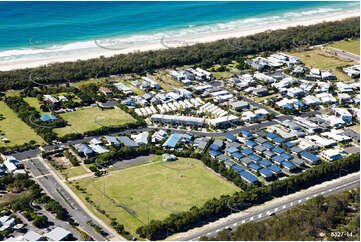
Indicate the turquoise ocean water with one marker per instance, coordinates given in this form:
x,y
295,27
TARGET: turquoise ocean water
x,y
40,29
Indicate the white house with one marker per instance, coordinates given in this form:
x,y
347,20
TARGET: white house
x,y
248,116
326,98
344,114
332,154
261,114
295,92
311,100
344,87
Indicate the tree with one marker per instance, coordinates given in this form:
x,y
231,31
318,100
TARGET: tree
x,y
41,221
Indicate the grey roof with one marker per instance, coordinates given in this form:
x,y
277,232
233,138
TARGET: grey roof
x,y
353,134
109,104
246,160
240,104
260,133
223,157
84,148
125,140
269,153
260,148
57,234
260,140
228,163
218,142
352,149
235,144
201,145
296,149
298,161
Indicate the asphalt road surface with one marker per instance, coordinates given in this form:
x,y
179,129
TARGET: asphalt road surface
x,y
269,211
346,55
56,191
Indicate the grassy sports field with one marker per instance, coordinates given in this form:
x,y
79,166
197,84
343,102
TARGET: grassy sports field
x,y
320,59
14,129
86,119
352,46
155,190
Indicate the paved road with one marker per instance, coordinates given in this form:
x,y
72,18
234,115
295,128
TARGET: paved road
x,y
34,152
280,208
56,191
346,55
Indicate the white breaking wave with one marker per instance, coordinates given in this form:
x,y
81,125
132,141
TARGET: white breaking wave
x,y
38,51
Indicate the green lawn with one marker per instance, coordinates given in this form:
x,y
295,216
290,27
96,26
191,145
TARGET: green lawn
x,y
352,46
85,82
86,119
11,93
14,129
319,59
33,101
74,171
153,189
222,75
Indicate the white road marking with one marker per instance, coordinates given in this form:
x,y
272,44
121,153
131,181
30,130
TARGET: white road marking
x,y
243,221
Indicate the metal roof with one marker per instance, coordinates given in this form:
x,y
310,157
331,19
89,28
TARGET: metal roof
x,y
268,145
309,156
231,149
57,234
275,169
247,151
255,157
248,177
214,147
265,172
173,140
251,143
278,150
288,165
237,155
231,137
287,156
214,153
125,140
278,159
265,163
237,168
254,166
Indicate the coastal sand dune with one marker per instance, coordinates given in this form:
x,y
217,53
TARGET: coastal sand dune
x,y
165,43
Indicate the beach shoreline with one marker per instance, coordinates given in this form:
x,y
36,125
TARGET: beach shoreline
x,y
164,43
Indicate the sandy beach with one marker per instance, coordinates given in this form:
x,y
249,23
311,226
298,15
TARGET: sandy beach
x,y
166,43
